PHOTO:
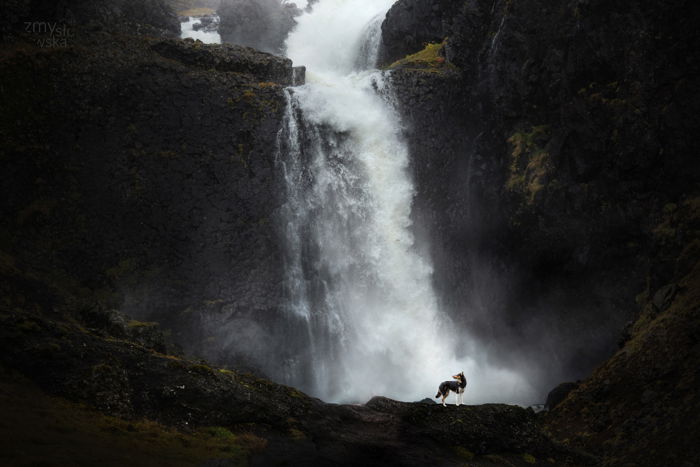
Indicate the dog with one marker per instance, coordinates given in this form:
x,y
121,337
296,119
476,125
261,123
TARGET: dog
x,y
455,386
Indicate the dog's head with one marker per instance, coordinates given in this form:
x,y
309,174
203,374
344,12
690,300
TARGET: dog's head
x,y
459,377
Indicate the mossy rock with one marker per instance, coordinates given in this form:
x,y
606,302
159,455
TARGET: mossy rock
x,y
430,59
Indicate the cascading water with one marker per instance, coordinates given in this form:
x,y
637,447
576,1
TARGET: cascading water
x,y
360,299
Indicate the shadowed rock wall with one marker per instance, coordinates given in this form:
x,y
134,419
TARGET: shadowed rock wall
x,y
142,171
545,157
556,182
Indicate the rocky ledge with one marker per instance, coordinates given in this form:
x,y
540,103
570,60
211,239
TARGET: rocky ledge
x,y
120,368
232,58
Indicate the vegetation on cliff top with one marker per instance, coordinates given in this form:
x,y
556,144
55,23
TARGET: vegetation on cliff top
x,y
430,59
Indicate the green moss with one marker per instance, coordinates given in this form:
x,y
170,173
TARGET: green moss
x,y
141,324
297,435
202,369
530,162
296,393
529,458
464,453
218,432
430,59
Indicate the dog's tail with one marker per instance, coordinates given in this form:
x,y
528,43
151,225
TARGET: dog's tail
x,y
438,394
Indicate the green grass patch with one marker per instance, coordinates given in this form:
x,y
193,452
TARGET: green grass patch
x,y
431,59
141,324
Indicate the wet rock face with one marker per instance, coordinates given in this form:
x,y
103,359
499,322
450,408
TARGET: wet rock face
x,y
261,24
543,169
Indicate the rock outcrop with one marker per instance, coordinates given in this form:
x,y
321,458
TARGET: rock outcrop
x,y
53,337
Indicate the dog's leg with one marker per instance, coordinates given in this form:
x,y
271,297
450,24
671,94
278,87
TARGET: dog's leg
x,y
460,399
457,398
444,396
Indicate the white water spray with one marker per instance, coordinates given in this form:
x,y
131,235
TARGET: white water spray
x,y
355,282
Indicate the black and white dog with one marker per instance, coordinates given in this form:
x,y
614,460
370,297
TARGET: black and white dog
x,y
455,386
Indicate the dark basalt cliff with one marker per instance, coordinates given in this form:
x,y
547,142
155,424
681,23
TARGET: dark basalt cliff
x,y
142,170
559,140
557,176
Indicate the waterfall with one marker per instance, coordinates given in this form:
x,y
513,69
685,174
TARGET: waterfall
x,y
355,283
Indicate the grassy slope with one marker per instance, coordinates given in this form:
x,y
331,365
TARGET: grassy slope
x,y
430,59
641,406
38,429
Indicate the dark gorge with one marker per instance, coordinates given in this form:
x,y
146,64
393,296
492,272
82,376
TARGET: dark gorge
x,y
263,251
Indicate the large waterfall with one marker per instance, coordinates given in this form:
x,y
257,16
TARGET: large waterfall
x,y
361,305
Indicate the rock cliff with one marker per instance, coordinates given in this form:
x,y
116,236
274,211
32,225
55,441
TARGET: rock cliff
x,y
143,169
556,183
554,169
140,395
560,141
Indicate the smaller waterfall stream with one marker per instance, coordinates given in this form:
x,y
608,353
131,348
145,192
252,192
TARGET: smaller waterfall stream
x,y
359,296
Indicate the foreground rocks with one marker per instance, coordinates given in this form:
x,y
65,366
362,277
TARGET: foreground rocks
x,y
51,338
